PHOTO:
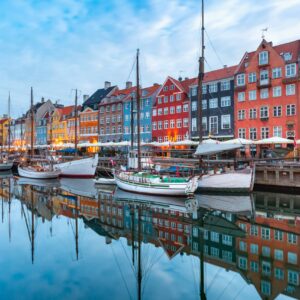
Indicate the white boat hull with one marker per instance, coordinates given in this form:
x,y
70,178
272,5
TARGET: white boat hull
x,y
162,189
105,181
25,172
227,182
80,168
6,166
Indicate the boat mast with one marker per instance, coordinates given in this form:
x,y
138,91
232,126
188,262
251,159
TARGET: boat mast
x,y
32,228
32,121
139,256
76,117
200,78
76,229
138,110
132,124
8,122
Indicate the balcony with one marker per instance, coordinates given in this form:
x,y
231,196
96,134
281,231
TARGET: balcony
x,y
264,83
239,88
288,80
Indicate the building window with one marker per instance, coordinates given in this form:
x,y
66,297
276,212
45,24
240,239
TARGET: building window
x,y
166,139
166,110
292,257
292,238
264,112
227,239
241,114
214,237
204,104
266,267
240,79
277,131
252,113
264,132
278,235
242,133
194,91
265,233
225,85
178,109
253,248
263,58
154,112
290,70
265,288
154,125
278,254
276,73
185,122
159,111
293,277
194,124
225,101
242,263
165,99
185,108
254,266
213,87
194,105
178,123
213,103
277,111
178,97
204,123
252,77
225,122
214,252
241,96
159,125
276,91
166,124
264,93
266,251
279,274
253,133
227,255
252,95
213,124
290,109
172,123
243,246
290,89
165,88
204,89
172,98
172,110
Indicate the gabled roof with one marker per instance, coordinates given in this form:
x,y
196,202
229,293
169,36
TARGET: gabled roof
x,y
150,90
97,97
118,92
291,47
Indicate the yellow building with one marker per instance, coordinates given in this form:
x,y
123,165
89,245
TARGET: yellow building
x,y
4,131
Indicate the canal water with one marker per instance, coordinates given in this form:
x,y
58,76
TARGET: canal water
x,y
69,240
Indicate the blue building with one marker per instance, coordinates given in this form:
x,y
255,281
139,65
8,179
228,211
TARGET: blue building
x,y
148,96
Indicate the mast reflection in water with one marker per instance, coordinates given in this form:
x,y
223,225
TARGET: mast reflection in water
x,y
68,240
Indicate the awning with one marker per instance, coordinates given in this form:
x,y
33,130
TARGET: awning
x,y
274,140
210,149
239,141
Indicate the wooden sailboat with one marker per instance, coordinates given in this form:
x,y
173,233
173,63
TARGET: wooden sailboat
x,y
5,163
145,182
36,168
78,168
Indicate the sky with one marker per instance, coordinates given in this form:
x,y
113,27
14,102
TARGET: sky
x,y
59,45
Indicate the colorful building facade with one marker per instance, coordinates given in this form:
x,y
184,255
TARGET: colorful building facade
x,y
171,111
217,104
266,93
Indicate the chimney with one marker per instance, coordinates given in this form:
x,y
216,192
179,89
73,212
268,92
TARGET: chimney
x,y
186,78
107,84
85,97
180,78
225,66
128,84
43,100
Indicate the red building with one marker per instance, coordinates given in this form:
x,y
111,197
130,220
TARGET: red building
x,y
267,92
171,111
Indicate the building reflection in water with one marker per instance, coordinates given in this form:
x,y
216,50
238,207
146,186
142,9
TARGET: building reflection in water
x,y
261,244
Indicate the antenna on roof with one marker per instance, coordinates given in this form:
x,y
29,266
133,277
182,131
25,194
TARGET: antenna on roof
x,y
263,31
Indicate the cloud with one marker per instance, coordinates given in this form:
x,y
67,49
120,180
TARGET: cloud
x,y
59,45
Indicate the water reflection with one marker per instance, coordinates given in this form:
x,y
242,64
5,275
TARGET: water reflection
x,y
210,247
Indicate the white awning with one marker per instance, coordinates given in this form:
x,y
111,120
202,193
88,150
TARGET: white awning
x,y
239,141
274,140
211,149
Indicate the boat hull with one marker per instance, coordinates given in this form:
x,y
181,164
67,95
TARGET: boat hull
x,y
81,168
38,175
152,189
227,183
105,181
6,166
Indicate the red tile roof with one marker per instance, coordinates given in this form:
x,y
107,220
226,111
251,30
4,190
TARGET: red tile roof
x,y
124,91
151,89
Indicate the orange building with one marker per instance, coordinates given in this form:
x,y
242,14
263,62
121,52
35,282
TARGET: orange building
x,y
267,92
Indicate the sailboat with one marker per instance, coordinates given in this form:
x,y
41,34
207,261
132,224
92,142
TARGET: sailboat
x,y
78,168
145,182
37,168
232,181
5,163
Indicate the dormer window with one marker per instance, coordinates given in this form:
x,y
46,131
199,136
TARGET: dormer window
x,y
263,58
287,56
290,70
